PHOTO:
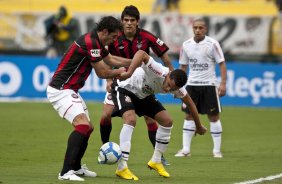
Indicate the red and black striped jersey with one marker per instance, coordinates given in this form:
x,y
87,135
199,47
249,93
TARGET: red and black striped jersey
x,y
75,66
143,40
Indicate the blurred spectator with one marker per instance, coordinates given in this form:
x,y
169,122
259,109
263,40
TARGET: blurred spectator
x,y
173,5
61,31
165,5
160,6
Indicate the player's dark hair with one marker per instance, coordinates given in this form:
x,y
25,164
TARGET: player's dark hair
x,y
110,23
179,77
131,11
200,20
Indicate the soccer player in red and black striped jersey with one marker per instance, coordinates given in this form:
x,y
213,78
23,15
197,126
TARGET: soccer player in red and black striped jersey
x,y
85,53
127,44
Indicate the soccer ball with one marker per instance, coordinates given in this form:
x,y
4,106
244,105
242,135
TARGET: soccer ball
x,y
109,153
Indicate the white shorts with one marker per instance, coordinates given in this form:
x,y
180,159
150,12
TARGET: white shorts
x,y
108,99
67,103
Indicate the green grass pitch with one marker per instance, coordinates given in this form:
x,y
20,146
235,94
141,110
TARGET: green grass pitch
x,y
33,140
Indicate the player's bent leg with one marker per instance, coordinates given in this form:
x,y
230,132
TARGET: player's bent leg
x,y
152,127
162,140
125,144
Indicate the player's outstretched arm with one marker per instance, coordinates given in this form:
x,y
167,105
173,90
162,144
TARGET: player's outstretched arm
x,y
200,129
116,61
139,58
103,71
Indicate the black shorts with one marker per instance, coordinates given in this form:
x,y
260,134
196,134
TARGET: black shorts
x,y
125,100
205,98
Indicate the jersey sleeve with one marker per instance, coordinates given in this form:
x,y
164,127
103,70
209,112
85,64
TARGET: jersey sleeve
x,y
95,51
155,68
156,44
218,53
183,56
180,93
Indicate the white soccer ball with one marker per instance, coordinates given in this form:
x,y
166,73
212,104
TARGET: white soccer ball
x,y
109,153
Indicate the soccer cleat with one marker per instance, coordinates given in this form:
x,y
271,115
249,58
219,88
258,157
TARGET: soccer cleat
x,y
84,171
217,155
159,168
126,174
70,176
180,153
164,161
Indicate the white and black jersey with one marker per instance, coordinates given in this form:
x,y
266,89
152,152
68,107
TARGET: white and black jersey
x,y
201,58
137,92
148,79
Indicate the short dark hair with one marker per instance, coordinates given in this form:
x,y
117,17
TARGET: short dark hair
x,y
179,77
110,23
131,11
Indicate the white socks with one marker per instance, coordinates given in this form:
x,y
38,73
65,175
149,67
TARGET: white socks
x,y
125,145
189,129
162,140
216,130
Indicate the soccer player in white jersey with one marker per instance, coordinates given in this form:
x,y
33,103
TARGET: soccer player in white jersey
x,y
133,96
201,53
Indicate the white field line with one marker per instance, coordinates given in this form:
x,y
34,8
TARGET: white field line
x,y
268,178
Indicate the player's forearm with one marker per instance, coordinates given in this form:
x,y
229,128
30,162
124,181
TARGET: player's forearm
x,y
167,62
193,110
137,60
223,72
119,61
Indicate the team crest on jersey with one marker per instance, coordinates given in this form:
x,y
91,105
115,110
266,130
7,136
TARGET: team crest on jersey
x,y
95,52
159,42
139,44
127,99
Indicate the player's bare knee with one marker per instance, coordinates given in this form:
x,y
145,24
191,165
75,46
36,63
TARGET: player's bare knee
x,y
213,118
81,119
167,122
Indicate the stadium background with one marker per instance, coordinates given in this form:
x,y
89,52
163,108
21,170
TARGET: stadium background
x,y
248,31
33,137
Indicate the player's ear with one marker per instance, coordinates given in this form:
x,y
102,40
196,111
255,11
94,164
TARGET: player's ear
x,y
105,31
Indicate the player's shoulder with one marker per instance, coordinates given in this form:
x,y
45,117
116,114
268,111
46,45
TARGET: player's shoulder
x,y
211,40
144,32
187,42
81,39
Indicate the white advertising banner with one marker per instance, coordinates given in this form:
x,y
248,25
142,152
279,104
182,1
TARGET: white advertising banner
x,y
237,34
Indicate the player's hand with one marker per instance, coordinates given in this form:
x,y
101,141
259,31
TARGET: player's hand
x,y
124,76
222,89
201,130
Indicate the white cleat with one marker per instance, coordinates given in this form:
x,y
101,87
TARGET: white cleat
x,y
84,171
217,155
70,176
180,153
